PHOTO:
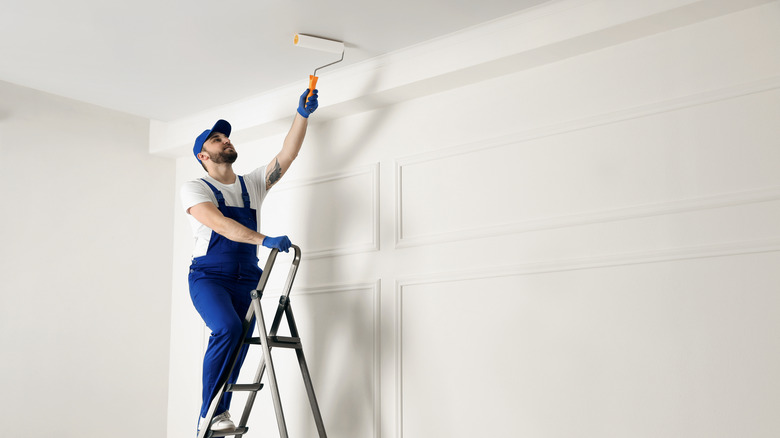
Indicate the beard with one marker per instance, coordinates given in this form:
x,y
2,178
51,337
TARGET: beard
x,y
227,156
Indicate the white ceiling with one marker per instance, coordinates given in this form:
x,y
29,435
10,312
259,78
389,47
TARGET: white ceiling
x,y
166,59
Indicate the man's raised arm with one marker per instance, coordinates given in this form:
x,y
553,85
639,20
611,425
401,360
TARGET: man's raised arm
x,y
292,142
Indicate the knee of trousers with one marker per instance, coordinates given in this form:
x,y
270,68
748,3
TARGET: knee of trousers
x,y
231,330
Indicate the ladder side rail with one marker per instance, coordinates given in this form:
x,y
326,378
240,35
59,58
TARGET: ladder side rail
x,y
293,269
257,295
269,264
286,291
258,374
269,365
278,317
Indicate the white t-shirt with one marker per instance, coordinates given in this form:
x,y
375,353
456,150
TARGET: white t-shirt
x,y
196,192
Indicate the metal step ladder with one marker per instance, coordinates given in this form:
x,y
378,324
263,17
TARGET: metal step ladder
x,y
267,342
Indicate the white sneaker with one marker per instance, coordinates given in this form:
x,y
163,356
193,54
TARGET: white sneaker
x,y
222,422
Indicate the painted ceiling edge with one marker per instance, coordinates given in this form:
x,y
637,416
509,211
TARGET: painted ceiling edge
x,y
357,87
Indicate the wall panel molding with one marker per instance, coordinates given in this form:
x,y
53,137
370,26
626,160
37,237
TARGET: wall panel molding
x,y
372,288
605,261
615,260
677,206
723,200
372,171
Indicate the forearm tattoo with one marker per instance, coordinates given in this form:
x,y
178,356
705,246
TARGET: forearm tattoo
x,y
275,174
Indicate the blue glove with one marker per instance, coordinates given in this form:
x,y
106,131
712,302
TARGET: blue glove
x,y
306,108
282,243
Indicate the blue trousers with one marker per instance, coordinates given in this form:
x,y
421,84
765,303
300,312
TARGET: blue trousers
x,y
221,295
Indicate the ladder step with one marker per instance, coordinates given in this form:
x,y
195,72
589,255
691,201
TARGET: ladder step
x,y
285,340
237,431
276,341
254,387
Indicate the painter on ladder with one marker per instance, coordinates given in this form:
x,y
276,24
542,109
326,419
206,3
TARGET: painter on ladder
x,y
224,211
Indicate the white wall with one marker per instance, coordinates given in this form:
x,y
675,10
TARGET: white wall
x,y
85,267
583,245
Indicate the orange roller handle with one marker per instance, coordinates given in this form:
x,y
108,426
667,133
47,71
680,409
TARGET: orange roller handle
x,y
312,85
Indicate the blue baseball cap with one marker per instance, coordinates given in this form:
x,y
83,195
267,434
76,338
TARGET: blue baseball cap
x,y
221,126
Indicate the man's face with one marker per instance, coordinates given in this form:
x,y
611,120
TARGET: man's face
x,y
219,149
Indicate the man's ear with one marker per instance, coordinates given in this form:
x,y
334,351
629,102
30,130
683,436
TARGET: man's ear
x,y
202,156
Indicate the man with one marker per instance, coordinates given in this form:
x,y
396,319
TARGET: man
x,y
224,211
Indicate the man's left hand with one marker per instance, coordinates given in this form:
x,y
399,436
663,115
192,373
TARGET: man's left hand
x,y
282,243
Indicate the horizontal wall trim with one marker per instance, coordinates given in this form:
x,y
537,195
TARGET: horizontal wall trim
x,y
640,111
724,200
373,171
319,179
678,206
605,261
324,289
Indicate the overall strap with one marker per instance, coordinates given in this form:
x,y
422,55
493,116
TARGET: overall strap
x,y
217,193
244,193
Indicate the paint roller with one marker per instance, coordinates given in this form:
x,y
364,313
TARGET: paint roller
x,y
321,44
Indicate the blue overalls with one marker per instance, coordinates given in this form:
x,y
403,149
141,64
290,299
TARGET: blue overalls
x,y
220,285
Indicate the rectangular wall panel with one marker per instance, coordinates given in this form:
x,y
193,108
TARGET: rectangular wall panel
x,y
334,323
598,167
330,215
678,348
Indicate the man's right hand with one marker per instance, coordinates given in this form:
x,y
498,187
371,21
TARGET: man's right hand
x,y
307,104
282,243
